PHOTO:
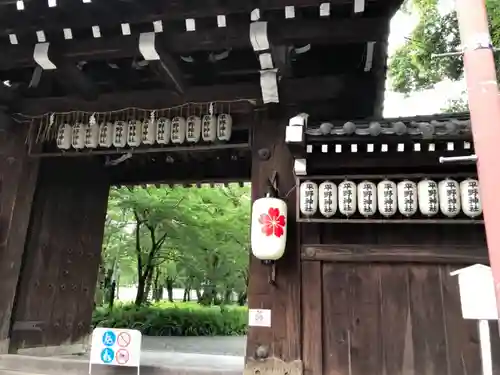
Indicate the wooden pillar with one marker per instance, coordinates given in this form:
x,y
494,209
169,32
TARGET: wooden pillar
x,y
18,175
275,350
55,295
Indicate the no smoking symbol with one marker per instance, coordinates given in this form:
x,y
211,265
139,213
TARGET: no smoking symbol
x,y
123,339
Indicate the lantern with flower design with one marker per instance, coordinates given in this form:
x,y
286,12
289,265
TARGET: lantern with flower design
x,y
268,228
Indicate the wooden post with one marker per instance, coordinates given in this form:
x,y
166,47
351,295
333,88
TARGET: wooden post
x,y
275,350
484,108
18,176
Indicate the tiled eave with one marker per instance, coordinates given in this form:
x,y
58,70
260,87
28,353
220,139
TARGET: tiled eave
x,y
428,127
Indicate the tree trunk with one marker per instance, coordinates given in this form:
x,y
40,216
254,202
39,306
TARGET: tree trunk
x,y
187,294
242,298
170,289
149,282
157,288
141,286
228,297
112,294
209,295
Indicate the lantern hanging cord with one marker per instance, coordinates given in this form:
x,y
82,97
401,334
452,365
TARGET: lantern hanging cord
x,y
117,111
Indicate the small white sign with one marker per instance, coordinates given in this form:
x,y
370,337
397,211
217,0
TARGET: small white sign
x,y
477,292
115,347
259,318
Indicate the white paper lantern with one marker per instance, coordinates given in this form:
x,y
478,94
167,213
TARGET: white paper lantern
x,y
178,132
105,134
428,197
449,197
327,198
64,134
268,228
209,128
471,198
163,129
78,136
387,198
347,198
308,198
92,134
407,198
193,129
134,133
149,131
120,134
367,198
224,127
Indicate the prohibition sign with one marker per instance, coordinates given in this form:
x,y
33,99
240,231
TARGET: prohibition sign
x,y
122,356
123,339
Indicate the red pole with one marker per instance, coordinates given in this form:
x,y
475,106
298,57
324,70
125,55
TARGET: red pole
x,y
484,108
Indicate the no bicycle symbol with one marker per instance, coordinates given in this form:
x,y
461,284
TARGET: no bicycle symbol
x,y
123,339
122,356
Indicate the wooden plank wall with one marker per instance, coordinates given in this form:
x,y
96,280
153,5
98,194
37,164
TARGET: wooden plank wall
x,y
62,254
389,315
18,175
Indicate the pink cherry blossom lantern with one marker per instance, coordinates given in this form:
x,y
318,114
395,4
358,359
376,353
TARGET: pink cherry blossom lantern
x,y
268,228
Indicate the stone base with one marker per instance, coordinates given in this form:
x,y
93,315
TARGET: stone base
x,y
11,364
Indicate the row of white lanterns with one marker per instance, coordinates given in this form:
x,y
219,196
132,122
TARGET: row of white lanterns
x,y
133,133
388,197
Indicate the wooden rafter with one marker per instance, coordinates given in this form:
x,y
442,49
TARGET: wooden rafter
x,y
76,14
287,32
199,171
7,94
247,95
70,76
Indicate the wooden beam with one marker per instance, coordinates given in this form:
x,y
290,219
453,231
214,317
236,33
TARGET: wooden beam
x,y
167,69
160,171
76,14
448,254
7,94
75,80
70,76
246,96
286,32
382,162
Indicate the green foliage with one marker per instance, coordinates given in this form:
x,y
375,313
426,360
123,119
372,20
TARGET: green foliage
x,y
182,319
412,67
195,238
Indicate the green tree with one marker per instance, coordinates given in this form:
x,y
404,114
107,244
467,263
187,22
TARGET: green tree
x,y
412,66
194,238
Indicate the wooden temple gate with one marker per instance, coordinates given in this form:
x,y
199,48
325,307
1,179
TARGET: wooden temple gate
x,y
363,295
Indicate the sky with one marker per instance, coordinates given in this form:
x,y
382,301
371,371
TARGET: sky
x,y
426,102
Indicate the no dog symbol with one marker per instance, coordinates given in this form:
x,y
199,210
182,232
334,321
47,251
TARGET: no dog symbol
x,y
122,356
